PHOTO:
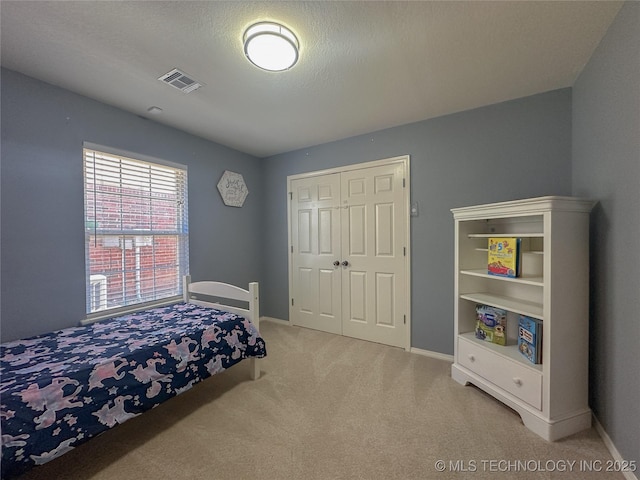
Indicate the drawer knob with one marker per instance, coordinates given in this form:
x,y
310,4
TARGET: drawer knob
x,y
471,357
517,381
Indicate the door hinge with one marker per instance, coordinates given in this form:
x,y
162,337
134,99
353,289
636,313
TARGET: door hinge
x,y
292,302
404,184
291,248
404,250
290,195
405,319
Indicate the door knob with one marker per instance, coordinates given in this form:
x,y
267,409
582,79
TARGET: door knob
x,y
336,263
345,264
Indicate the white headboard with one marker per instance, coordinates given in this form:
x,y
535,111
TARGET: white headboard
x,y
224,291
231,292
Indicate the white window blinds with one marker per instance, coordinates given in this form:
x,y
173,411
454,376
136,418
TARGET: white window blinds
x,y
136,231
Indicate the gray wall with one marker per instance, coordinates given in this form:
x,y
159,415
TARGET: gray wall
x,y
42,234
606,167
512,150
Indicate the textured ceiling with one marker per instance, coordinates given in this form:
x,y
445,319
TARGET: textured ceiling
x,y
364,66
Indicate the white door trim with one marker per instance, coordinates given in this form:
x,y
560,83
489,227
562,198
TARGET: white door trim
x,y
405,161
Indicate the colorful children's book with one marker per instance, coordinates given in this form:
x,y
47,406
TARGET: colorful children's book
x,y
491,324
530,338
504,256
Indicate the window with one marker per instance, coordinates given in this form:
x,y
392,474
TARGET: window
x,y
136,231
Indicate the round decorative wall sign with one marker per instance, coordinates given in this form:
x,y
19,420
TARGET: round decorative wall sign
x,y
232,189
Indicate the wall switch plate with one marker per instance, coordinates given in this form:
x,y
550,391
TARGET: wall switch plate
x,y
414,209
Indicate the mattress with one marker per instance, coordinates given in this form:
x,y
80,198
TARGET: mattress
x,y
60,389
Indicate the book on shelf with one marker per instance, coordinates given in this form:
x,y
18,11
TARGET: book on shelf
x,y
491,324
504,256
530,338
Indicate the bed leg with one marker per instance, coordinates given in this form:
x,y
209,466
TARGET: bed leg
x,y
255,368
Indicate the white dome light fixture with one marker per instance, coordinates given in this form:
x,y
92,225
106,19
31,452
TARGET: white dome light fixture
x,y
270,46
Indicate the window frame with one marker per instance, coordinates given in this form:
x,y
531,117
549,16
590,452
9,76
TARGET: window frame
x,y
182,234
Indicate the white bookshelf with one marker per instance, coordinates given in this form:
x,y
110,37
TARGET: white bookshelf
x,y
551,397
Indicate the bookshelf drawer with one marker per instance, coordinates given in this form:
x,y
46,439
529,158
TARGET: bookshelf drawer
x,y
517,379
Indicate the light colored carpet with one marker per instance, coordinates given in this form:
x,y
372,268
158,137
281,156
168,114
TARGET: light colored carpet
x,y
329,407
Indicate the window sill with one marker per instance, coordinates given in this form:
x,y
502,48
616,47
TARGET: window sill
x,y
117,312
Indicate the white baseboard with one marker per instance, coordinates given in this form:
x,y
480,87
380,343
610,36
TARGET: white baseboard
x,y
276,320
429,353
612,448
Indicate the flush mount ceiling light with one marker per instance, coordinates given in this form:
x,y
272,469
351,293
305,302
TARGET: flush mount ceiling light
x,y
271,46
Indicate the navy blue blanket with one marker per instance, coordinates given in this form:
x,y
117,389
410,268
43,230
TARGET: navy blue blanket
x,y
60,389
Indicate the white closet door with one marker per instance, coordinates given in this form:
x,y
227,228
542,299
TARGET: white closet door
x,y
315,234
374,245
348,233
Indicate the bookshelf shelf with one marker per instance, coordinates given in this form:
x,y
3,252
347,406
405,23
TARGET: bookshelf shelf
x,y
523,279
521,307
510,351
513,234
552,397
532,252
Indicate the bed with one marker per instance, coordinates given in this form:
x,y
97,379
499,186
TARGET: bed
x,y
60,389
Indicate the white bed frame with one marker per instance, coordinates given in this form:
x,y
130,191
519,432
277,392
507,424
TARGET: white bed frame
x,y
225,290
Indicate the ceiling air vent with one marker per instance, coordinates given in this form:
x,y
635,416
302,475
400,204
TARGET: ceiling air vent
x,y
180,80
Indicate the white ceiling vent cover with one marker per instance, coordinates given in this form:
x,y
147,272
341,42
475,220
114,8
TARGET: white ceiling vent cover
x,y
180,80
